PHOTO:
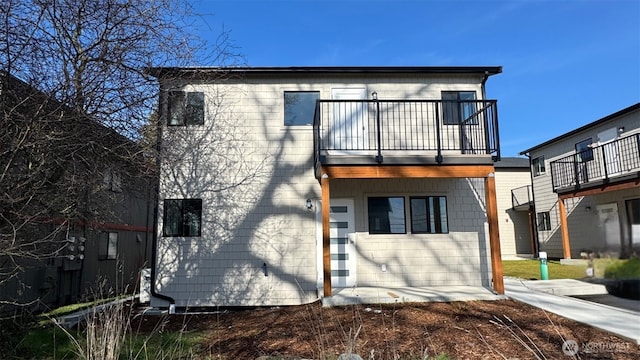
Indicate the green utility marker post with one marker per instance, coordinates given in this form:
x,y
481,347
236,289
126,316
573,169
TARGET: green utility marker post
x,y
544,269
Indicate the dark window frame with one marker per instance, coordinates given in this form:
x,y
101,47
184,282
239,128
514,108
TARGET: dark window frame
x,y
293,118
453,106
441,221
376,215
544,221
584,152
104,247
186,209
190,108
538,166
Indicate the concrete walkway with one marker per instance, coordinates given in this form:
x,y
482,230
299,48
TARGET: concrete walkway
x,y
381,295
554,296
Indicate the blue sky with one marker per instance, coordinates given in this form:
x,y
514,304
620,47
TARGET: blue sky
x,y
565,63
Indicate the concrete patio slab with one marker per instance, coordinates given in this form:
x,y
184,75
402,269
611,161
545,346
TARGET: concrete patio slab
x,y
381,295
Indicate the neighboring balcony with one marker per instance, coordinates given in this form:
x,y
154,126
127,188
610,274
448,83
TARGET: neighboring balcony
x,y
522,198
614,162
407,132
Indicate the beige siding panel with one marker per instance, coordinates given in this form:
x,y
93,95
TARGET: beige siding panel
x,y
254,175
513,225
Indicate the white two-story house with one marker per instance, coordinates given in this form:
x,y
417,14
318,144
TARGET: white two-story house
x,y
586,186
281,185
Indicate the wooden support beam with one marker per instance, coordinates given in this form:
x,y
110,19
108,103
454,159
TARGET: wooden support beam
x,y
407,172
494,234
326,236
564,229
634,183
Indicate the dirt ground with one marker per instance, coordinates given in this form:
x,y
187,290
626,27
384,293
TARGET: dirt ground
x,y
501,329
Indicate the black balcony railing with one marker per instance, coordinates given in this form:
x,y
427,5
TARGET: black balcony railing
x,y
357,126
606,163
521,196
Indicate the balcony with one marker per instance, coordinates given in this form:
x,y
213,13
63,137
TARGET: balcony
x,y
408,132
614,162
521,198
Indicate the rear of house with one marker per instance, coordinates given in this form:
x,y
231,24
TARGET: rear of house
x,y
278,185
587,188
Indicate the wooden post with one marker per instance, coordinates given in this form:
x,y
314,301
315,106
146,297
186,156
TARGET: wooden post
x,y
326,235
494,235
564,229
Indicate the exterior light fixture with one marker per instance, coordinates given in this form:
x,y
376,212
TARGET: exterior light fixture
x,y
621,129
374,95
309,205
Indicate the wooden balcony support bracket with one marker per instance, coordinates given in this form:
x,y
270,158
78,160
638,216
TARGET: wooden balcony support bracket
x,y
564,229
494,235
326,236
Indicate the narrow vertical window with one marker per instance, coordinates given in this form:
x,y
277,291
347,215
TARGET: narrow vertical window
x,y
538,166
108,246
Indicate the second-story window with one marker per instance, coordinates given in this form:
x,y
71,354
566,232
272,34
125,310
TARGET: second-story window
x,y
186,108
538,166
458,108
583,150
299,107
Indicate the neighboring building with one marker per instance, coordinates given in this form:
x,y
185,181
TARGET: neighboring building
x,y
587,188
279,184
76,213
513,191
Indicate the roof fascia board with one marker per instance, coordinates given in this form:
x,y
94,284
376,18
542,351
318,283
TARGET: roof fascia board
x,y
180,72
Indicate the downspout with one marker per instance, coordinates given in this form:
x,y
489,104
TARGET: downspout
x,y
485,77
154,238
532,208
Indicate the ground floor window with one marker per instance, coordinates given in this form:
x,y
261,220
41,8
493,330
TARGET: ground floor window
x,y
633,214
544,221
429,215
108,246
386,215
182,217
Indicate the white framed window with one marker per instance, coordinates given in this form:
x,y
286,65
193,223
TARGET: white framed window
x,y
299,107
538,166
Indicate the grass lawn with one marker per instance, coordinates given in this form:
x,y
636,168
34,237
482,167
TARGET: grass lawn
x,y
613,268
530,269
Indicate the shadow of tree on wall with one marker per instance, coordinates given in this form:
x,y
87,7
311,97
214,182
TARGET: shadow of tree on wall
x,y
246,255
258,243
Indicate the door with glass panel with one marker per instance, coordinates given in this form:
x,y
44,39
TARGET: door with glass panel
x,y
343,251
349,125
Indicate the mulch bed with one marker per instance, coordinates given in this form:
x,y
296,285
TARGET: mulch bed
x,y
501,329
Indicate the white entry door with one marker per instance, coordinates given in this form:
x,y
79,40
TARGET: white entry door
x,y
343,252
349,126
610,223
610,149
343,244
